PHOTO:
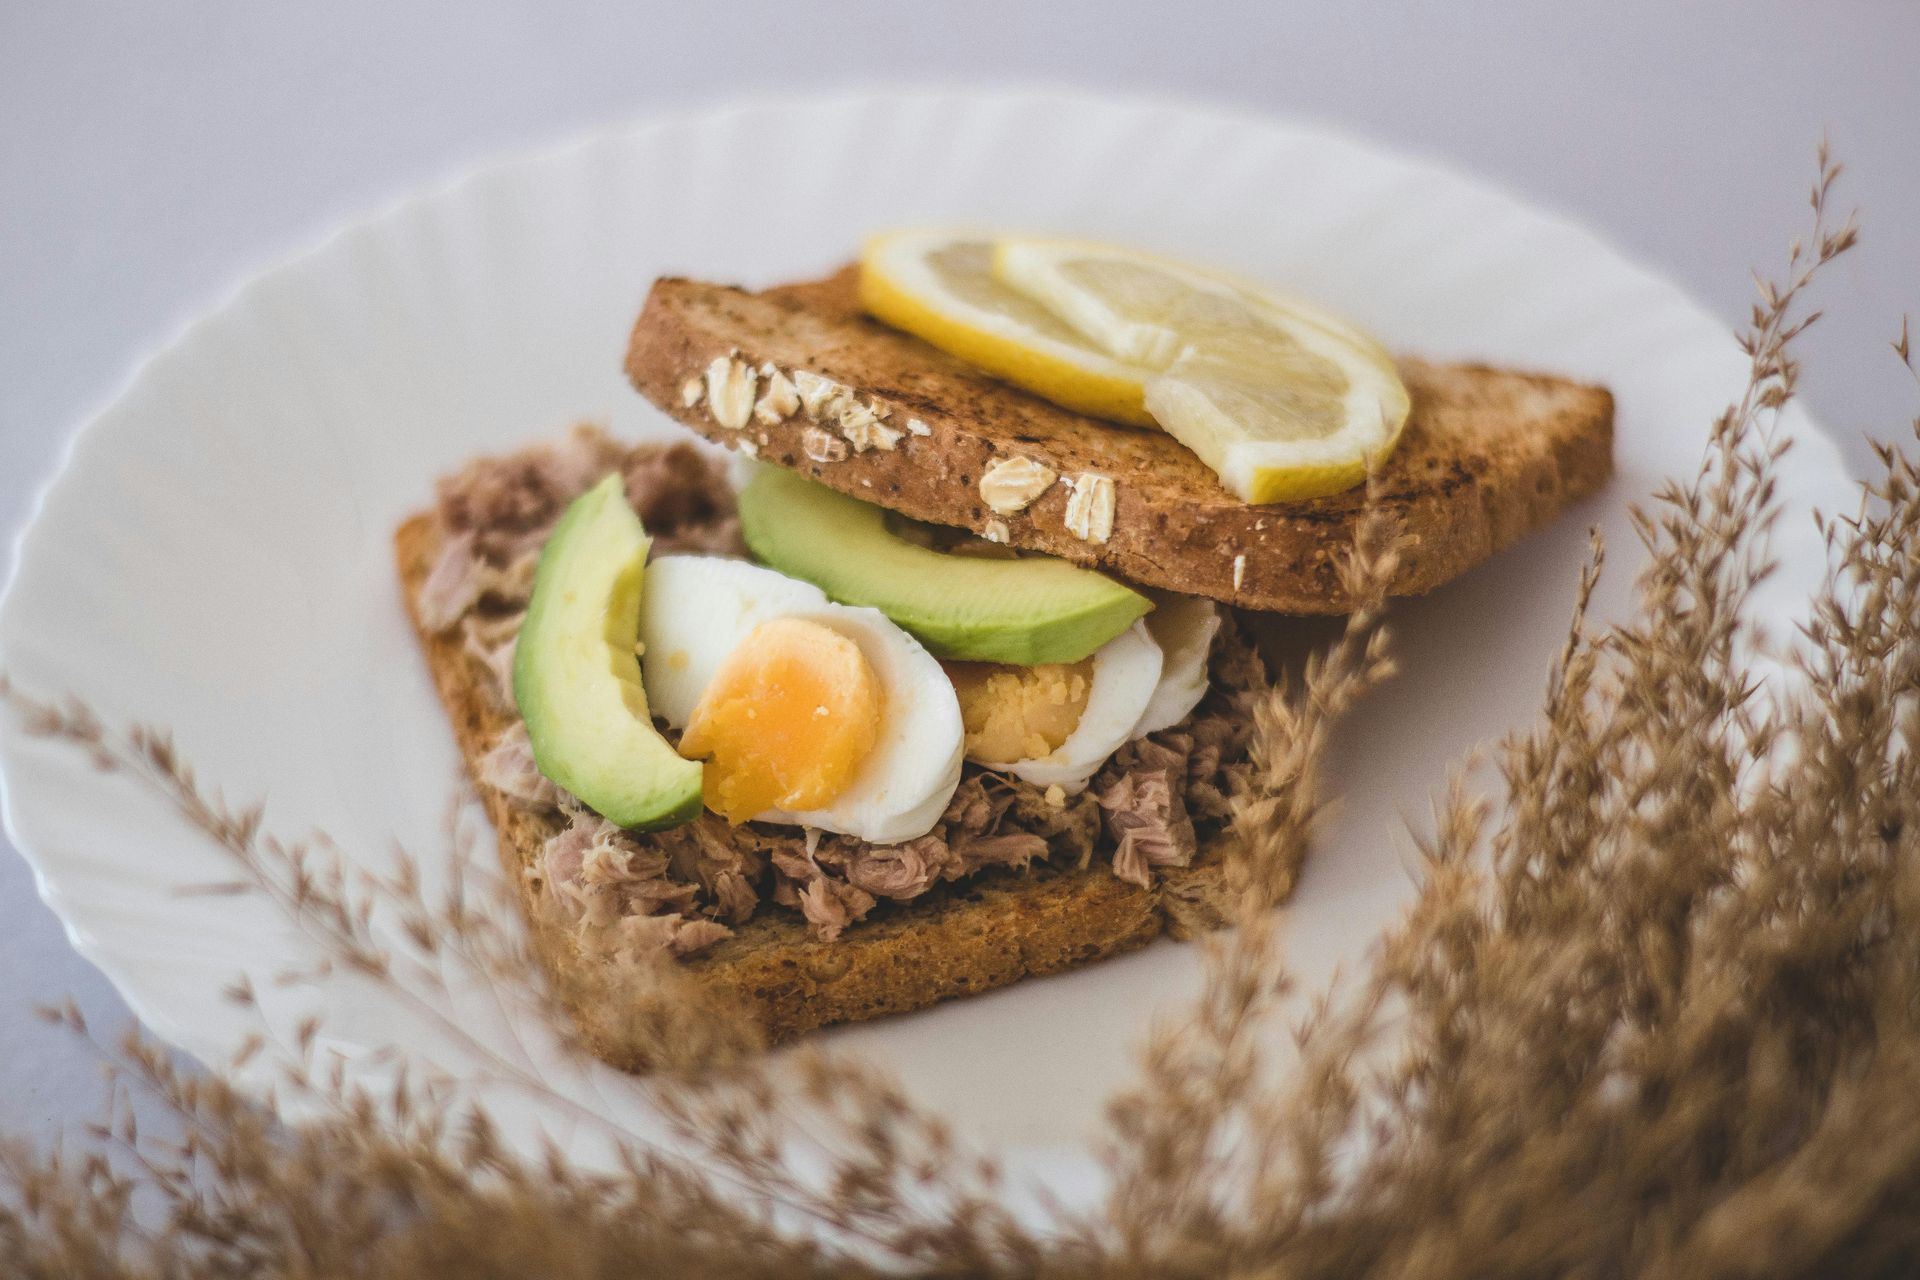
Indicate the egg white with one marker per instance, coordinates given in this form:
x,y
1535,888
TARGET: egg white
x,y
696,610
1184,628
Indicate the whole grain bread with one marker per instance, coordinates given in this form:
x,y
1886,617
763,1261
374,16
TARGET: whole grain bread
x,y
958,939
1487,456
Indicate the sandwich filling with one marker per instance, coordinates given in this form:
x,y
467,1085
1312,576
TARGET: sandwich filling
x,y
814,721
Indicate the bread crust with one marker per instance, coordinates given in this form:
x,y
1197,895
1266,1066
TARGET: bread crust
x,y
1487,456
987,931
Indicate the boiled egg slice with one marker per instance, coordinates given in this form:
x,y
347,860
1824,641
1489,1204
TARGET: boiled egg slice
x,y
1019,720
831,716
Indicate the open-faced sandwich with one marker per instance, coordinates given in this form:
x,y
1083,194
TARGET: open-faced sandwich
x,y
953,688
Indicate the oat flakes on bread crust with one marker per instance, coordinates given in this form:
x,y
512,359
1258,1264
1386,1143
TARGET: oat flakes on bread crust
x,y
1488,455
956,940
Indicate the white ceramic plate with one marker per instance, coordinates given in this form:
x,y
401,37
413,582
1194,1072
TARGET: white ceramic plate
x,y
215,554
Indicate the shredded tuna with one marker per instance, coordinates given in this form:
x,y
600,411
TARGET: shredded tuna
x,y
831,905
461,578
801,879
497,513
690,936
724,861
1146,809
514,586
639,936
899,871
561,859
1013,849
791,861
509,502
455,583
508,767
618,892
684,500
489,640
596,873
734,896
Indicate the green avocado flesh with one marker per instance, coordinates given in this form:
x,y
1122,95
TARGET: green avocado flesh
x,y
1025,611
576,676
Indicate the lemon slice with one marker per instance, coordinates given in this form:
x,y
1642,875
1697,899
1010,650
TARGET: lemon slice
x,y
939,286
1279,398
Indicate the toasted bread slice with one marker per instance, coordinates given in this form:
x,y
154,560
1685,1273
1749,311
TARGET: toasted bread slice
x,y
958,939
1487,456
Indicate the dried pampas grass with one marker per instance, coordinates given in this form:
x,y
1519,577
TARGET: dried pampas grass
x,y
1657,1007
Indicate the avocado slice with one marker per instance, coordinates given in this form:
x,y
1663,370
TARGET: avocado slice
x,y
577,678
1026,611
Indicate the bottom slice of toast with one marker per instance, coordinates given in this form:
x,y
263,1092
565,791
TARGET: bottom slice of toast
x,y
958,939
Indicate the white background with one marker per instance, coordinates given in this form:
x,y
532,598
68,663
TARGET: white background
x,y
150,154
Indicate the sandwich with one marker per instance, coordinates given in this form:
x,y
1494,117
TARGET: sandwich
x,y
944,678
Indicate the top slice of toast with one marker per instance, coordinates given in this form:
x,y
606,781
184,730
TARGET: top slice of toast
x,y
1488,455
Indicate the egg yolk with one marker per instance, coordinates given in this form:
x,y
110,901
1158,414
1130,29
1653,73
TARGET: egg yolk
x,y
786,722
1019,713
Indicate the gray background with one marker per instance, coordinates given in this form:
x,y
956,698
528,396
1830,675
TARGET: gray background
x,y
151,153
